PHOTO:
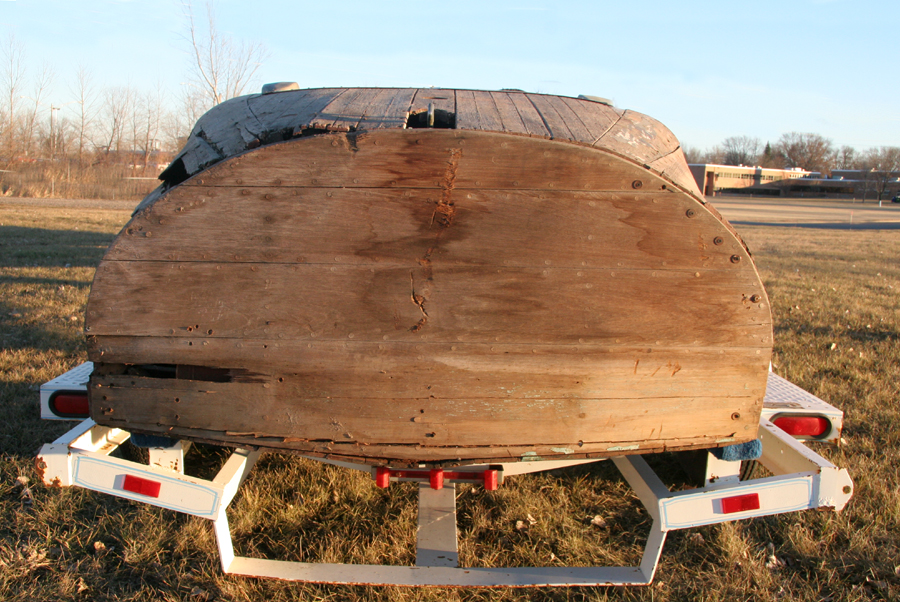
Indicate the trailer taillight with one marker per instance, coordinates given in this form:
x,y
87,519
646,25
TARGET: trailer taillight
x,y
70,404
811,426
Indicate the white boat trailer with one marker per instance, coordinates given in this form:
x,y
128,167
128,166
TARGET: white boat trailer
x,y
801,480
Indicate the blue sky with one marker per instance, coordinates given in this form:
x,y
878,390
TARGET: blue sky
x,y
708,70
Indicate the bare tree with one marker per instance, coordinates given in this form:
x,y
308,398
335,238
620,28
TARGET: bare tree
x,y
41,86
118,105
150,112
221,67
806,151
741,150
692,154
883,166
845,158
178,124
714,155
84,93
12,75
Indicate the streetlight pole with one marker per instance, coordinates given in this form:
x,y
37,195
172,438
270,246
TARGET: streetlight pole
x,y
53,132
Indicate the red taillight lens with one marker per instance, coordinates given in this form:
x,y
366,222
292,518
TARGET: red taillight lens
x,y
803,426
70,404
740,503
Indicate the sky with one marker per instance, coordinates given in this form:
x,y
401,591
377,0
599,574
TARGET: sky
x,y
707,70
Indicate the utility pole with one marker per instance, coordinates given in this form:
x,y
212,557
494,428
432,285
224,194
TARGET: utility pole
x,y
53,132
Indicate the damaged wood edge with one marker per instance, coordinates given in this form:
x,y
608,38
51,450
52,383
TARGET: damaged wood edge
x,y
342,450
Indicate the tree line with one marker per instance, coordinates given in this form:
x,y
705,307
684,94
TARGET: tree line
x,y
126,131
811,152
74,137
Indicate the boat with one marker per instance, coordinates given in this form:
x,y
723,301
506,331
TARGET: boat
x,y
429,277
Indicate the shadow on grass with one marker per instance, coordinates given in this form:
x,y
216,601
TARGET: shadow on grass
x,y
37,341
39,247
16,333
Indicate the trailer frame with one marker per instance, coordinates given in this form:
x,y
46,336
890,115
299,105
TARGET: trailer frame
x,y
801,479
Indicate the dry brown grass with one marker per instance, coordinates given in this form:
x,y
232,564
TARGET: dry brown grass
x,y
69,181
835,299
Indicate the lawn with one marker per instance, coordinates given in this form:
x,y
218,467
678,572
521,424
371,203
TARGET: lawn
x,y
834,295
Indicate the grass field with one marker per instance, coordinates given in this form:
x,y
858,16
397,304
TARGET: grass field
x,y
835,300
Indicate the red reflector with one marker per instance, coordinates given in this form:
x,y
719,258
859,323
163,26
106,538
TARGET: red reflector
x,y
382,477
141,486
740,503
436,478
491,480
803,426
70,404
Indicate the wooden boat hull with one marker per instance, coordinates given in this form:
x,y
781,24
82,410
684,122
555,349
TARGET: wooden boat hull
x,y
430,296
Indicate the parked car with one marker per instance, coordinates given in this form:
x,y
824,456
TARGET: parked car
x,y
896,198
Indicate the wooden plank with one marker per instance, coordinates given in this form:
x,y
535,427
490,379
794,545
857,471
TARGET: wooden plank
x,y
271,411
446,456
556,123
389,109
572,117
508,113
460,304
476,111
674,167
415,370
383,226
467,117
639,137
239,123
424,158
531,118
284,110
346,110
596,118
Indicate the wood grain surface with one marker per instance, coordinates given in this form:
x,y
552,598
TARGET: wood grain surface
x,y
432,296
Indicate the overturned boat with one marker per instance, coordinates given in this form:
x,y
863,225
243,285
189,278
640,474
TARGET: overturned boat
x,y
430,277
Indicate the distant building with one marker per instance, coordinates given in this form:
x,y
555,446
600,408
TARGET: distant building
x,y
713,179
761,181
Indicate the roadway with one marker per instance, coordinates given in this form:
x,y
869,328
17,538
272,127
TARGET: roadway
x,y
812,213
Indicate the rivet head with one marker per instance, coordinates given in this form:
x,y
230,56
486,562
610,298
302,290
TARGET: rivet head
x,y
754,298
637,184
735,258
847,489
690,213
736,416
718,240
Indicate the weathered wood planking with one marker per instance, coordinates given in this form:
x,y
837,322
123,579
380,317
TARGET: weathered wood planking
x,y
468,304
389,110
390,370
241,124
583,424
433,295
377,226
426,159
